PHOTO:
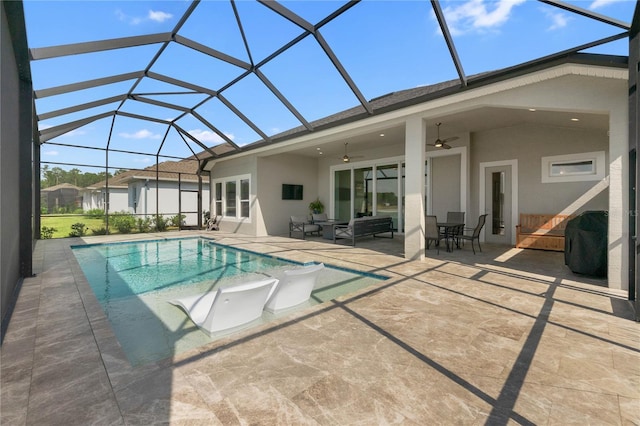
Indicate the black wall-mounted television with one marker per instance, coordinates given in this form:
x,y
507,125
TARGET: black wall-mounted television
x,y
291,192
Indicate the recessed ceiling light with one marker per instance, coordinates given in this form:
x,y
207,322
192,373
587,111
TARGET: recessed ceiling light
x,y
318,149
381,134
320,152
532,109
575,119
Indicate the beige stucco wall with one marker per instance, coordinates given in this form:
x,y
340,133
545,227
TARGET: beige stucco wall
x,y
290,169
445,182
528,144
269,212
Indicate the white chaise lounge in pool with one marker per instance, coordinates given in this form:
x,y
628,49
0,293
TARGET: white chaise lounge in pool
x,y
294,287
228,307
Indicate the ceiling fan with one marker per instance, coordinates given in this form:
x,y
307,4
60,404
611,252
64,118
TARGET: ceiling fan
x,y
442,143
346,158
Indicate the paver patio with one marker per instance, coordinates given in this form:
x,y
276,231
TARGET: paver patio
x,y
503,337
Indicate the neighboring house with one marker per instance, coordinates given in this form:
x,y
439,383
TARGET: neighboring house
x,y
62,196
550,137
135,191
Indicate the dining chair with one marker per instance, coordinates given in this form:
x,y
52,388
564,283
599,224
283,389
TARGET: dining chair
x,y
456,217
475,236
432,232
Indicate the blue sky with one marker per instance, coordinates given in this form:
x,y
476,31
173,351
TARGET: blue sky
x,y
385,46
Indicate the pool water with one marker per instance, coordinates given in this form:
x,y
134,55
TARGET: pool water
x,y
134,282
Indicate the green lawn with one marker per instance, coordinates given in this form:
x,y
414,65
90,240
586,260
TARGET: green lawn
x,y
62,223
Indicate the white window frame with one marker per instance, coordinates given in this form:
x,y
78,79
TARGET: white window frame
x,y
238,200
597,158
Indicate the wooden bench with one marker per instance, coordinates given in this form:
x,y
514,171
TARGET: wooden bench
x,y
542,231
363,226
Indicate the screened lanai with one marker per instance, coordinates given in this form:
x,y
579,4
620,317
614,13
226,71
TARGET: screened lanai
x,y
138,87
453,338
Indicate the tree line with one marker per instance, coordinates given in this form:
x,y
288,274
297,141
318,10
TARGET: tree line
x,y
56,175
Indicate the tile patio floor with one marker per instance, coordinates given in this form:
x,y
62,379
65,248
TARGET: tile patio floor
x,y
503,337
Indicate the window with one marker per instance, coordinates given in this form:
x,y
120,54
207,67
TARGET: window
x,y
561,168
218,199
573,167
244,198
232,197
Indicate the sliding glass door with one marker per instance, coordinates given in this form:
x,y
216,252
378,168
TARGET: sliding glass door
x,y
387,192
371,190
342,195
363,191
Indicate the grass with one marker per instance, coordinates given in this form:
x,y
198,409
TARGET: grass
x,y
62,223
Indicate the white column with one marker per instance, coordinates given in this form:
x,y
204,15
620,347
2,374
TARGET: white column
x,y
618,260
414,148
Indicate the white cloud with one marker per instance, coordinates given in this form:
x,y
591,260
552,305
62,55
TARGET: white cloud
x,y
159,16
153,15
596,4
52,153
140,134
208,136
558,20
476,15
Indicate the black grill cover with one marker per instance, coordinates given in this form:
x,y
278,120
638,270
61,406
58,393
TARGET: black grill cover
x,y
585,244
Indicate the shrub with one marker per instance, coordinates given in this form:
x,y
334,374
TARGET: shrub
x,y
47,232
144,225
122,221
177,220
160,223
99,231
78,230
95,213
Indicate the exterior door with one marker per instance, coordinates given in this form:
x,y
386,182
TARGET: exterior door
x,y
498,227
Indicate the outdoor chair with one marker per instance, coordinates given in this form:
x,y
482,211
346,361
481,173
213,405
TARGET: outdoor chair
x,y
456,217
319,217
432,232
294,287
228,307
213,223
475,236
303,224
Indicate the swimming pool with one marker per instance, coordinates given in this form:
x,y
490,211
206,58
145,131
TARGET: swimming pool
x,y
133,282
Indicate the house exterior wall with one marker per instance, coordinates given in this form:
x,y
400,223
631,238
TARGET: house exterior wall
x,y
445,183
273,172
235,167
118,199
528,144
141,199
9,168
586,89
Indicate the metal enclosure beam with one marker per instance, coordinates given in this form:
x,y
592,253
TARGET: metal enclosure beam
x,y
634,147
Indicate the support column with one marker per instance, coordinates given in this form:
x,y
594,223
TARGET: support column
x,y
618,237
414,211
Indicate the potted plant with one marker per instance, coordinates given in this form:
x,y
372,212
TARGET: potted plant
x,y
316,207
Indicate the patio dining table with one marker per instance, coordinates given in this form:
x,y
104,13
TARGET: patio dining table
x,y
448,229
